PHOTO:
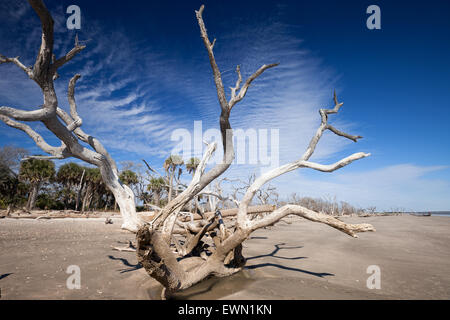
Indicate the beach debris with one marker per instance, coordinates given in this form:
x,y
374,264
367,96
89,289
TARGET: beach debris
x,y
129,248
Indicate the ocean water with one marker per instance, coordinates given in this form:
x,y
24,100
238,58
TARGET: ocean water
x,y
440,213
434,213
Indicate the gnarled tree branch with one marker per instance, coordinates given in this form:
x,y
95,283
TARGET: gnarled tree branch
x,y
225,128
66,58
70,134
58,152
17,62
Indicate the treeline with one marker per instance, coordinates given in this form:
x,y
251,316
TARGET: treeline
x,y
39,185
36,183
328,205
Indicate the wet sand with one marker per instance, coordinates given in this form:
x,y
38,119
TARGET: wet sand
x,y
300,260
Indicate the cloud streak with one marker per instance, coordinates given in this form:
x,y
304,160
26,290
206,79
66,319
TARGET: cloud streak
x,y
403,186
133,94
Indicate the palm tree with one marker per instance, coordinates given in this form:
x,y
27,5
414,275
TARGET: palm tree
x,y
128,177
93,182
192,165
170,165
156,187
8,186
70,175
36,172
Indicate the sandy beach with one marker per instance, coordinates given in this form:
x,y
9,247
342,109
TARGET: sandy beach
x,y
294,260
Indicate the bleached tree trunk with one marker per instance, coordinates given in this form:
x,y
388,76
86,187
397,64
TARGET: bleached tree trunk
x,y
80,187
157,197
66,127
170,192
87,197
123,195
33,195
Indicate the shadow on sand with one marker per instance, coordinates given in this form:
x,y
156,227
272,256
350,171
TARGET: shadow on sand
x,y
216,288
2,276
132,267
275,251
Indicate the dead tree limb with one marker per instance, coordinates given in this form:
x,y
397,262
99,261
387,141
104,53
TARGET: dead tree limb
x,y
44,73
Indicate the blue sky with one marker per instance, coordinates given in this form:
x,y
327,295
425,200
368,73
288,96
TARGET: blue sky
x,y
145,73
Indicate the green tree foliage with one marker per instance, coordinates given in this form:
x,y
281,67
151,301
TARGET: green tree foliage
x,y
94,187
128,177
69,176
35,172
12,191
8,186
171,164
156,186
192,165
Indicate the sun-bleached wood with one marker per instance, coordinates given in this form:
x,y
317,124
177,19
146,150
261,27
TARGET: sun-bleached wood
x,y
44,73
225,127
154,239
154,249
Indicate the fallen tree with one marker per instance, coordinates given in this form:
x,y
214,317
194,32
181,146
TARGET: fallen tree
x,y
179,264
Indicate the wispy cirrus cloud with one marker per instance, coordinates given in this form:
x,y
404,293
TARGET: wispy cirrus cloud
x,y
110,96
130,92
403,186
134,93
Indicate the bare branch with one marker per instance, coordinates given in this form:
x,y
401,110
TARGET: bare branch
x,y
129,248
238,83
324,126
44,73
41,67
22,115
242,218
59,157
247,83
343,134
218,196
150,168
64,59
257,209
277,215
188,193
41,143
225,127
17,62
212,60
92,141
73,106
194,241
335,166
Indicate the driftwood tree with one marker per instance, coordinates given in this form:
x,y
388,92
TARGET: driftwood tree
x,y
176,263
190,260
65,126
